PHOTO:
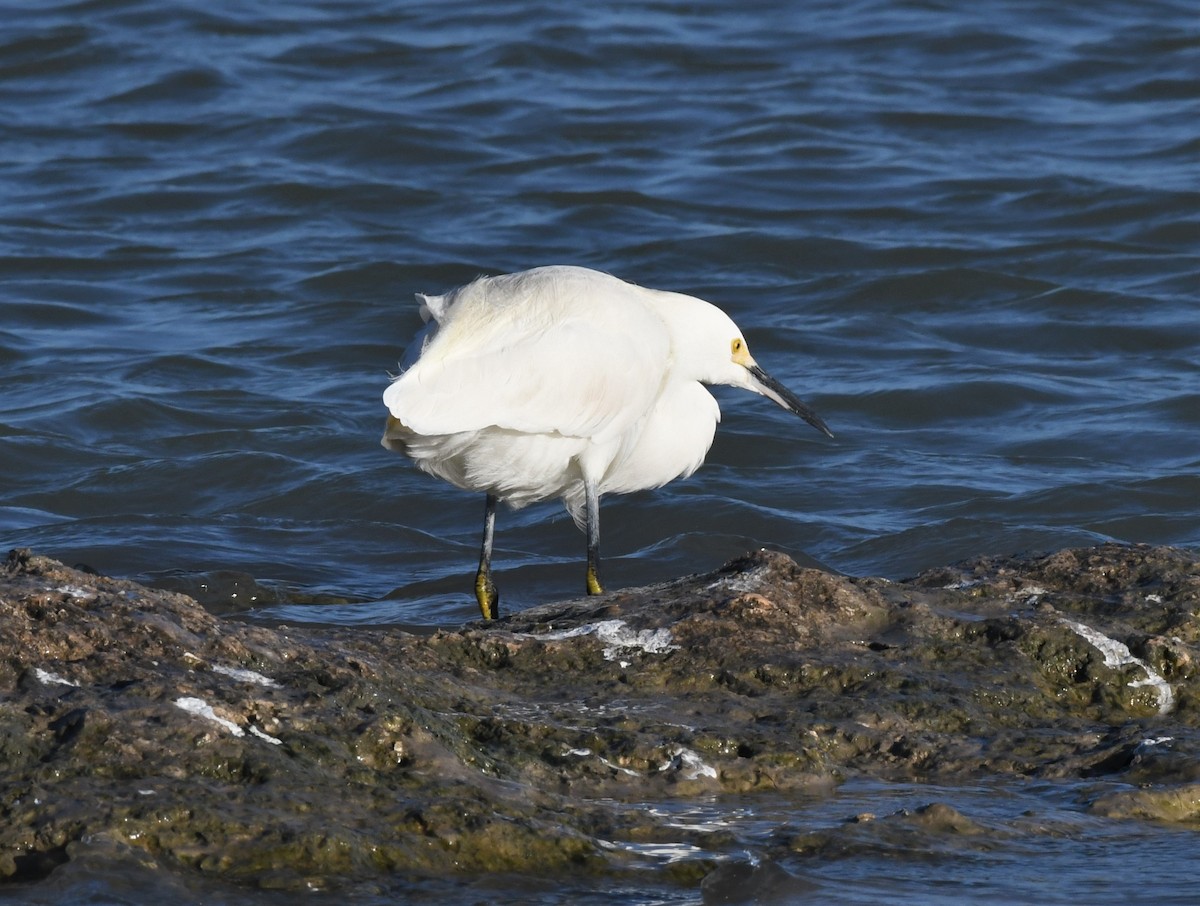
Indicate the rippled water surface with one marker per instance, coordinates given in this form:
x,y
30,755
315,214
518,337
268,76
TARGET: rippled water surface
x,y
967,234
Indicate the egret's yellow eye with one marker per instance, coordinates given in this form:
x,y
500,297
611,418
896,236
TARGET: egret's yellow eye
x,y
737,346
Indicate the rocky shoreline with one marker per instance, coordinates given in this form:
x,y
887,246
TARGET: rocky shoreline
x,y
298,757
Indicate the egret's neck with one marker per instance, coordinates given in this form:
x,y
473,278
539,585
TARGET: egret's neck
x,y
700,336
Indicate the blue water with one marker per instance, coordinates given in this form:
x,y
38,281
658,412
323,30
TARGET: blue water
x,y
967,234
969,237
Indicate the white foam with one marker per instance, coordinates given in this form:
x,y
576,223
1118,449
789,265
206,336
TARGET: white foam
x,y
671,852
691,764
76,592
748,581
245,676
1030,593
201,708
616,636
560,634
52,679
1149,743
616,767
1117,654
275,741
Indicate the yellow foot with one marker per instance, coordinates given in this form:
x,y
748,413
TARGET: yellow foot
x,y
593,583
487,596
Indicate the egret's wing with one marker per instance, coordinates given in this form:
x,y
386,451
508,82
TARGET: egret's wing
x,y
577,376
433,311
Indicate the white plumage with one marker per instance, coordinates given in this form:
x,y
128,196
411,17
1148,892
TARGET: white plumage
x,y
564,382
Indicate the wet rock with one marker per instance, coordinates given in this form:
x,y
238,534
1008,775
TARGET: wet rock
x,y
1179,803
287,757
761,882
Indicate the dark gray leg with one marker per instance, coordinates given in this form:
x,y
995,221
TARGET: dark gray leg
x,y
485,588
592,500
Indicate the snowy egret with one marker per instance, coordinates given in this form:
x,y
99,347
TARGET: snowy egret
x,y
566,382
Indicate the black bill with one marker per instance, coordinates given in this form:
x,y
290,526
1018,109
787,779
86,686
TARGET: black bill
x,y
772,389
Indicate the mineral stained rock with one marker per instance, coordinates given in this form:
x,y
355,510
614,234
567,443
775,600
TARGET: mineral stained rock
x,y
287,757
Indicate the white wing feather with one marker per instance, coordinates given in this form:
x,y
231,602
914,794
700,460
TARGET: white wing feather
x,y
559,351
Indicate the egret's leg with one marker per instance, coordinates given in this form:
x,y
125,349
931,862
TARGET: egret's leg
x,y
592,500
485,588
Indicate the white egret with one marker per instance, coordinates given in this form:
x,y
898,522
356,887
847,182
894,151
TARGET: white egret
x,y
566,382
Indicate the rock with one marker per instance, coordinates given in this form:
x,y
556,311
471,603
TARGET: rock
x,y
1178,803
285,758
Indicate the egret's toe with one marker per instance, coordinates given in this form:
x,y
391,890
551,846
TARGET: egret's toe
x,y
593,582
487,596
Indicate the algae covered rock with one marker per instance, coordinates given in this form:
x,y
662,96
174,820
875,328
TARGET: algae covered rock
x,y
292,756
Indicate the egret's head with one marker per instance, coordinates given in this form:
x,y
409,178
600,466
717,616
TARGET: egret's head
x,y
708,347
745,372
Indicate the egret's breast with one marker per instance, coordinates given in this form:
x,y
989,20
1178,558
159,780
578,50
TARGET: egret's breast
x,y
672,442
